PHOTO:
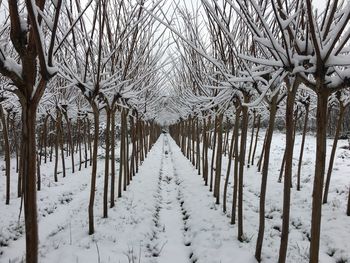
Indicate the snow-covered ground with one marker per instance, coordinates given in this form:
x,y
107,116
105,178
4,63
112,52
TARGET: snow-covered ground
x,y
335,238
168,215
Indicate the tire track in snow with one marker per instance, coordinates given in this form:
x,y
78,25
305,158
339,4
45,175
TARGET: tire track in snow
x,y
168,241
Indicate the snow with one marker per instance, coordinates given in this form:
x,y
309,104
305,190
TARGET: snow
x,y
334,234
168,215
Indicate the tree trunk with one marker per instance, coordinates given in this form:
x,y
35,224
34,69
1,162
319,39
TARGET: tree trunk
x,y
29,180
321,120
251,140
7,154
262,154
121,155
288,172
256,139
79,124
205,152
90,141
85,143
94,167
57,142
348,209
20,172
113,157
126,146
230,156
198,156
218,160
265,171
70,139
307,107
236,167
61,145
213,155
193,136
334,148
38,173
105,186
242,155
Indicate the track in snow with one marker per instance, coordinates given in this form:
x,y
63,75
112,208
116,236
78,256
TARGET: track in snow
x,y
168,242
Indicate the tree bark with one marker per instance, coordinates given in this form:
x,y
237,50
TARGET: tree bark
x,y
265,171
70,139
29,180
242,155
307,107
256,139
206,146
228,171
198,156
7,154
121,155
321,119
107,143
251,139
112,157
348,209
57,142
94,167
218,160
334,148
288,172
213,154
236,167
262,154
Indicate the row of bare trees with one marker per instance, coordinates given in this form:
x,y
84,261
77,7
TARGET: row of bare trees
x,y
111,51
251,56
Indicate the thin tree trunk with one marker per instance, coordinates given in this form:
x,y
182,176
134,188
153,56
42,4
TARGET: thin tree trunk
x,y
20,172
242,155
262,154
288,172
334,148
57,142
121,155
52,141
321,119
70,139
193,135
265,170
112,157
204,156
94,167
256,139
7,154
15,141
198,156
38,173
236,167
282,167
90,141
61,145
230,156
79,124
251,140
218,160
105,185
213,155
348,209
307,107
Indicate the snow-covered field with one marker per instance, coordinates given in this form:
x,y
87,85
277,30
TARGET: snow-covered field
x,y
168,215
335,238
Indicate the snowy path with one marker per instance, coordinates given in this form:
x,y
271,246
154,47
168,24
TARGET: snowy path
x,y
167,215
